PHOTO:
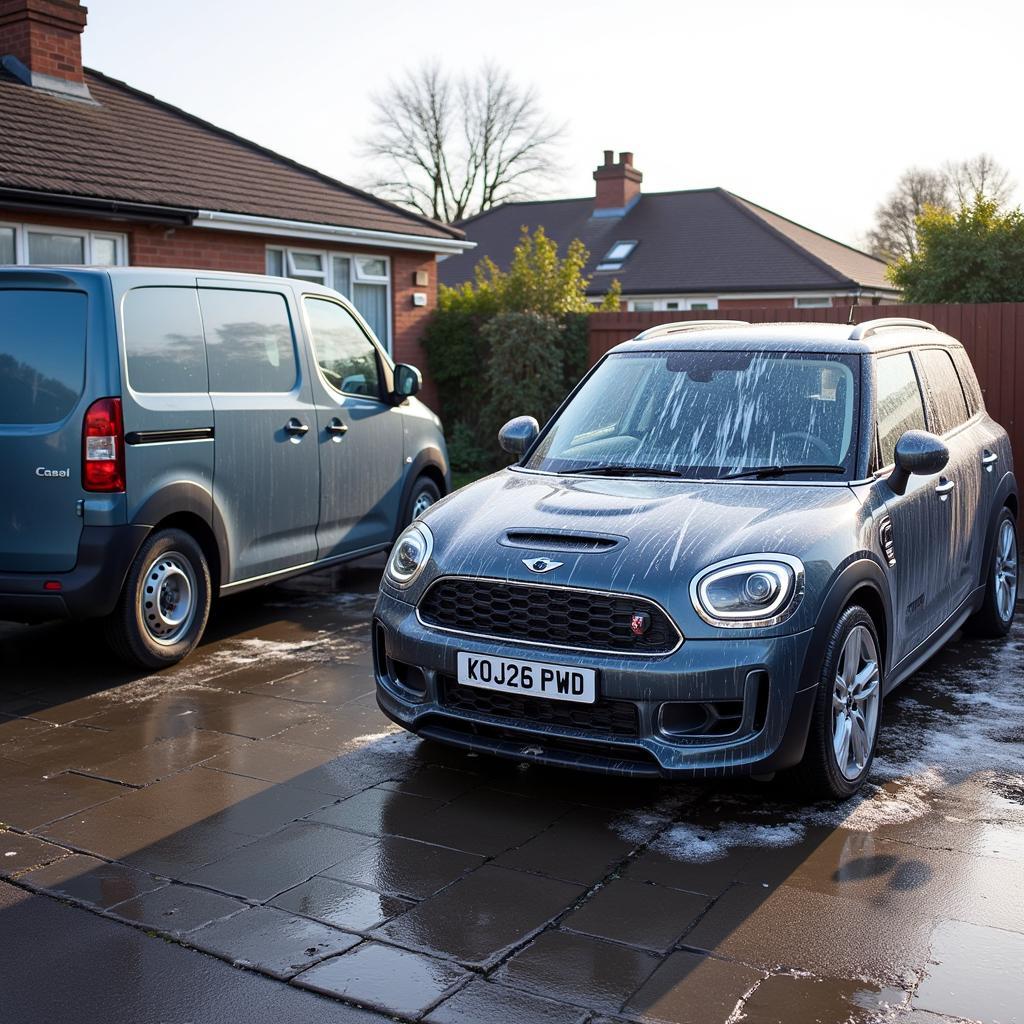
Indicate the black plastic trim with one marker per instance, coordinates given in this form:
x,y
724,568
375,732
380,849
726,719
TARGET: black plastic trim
x,y
162,436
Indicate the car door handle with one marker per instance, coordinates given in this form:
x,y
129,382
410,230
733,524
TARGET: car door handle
x,y
296,428
943,487
988,458
336,428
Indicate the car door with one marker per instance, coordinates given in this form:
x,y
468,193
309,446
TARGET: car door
x,y
962,482
266,472
359,433
920,520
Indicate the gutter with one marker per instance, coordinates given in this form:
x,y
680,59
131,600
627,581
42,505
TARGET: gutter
x,y
251,224
54,202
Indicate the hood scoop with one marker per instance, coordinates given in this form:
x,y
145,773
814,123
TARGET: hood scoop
x,y
554,540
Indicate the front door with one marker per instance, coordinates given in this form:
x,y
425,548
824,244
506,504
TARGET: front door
x,y
266,473
359,434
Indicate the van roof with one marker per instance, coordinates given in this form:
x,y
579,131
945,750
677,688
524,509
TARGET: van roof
x,y
127,274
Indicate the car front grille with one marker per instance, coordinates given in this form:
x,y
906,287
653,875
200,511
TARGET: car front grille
x,y
605,717
553,616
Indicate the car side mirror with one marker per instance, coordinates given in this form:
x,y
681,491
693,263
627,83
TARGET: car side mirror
x,y
408,381
920,453
517,435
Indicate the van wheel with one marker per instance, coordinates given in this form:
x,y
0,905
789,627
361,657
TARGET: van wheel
x,y
164,604
995,617
424,493
847,710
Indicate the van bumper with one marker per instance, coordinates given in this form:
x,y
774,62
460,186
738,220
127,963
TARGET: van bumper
x,y
88,591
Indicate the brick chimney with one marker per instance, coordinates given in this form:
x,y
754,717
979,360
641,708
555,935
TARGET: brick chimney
x,y
41,43
618,185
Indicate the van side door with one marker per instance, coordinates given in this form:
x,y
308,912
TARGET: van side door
x,y
266,479
360,432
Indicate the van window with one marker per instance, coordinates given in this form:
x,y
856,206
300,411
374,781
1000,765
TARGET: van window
x,y
898,406
945,396
42,354
345,355
163,338
249,342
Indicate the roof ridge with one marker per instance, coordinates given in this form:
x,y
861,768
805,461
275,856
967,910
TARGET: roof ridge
x,y
741,204
454,232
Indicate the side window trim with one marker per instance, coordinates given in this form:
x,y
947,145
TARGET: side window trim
x,y
384,368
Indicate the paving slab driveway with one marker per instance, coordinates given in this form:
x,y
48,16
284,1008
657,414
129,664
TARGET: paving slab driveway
x,y
253,806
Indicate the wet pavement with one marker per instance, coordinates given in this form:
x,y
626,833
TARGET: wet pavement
x,y
252,807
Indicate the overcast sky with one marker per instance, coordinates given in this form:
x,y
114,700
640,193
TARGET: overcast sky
x,y
811,109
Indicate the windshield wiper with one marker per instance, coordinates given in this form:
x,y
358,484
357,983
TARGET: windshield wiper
x,y
622,471
764,472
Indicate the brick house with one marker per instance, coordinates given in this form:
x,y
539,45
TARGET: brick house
x,y
93,171
688,250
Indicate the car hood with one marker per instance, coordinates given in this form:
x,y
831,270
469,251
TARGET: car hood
x,y
663,532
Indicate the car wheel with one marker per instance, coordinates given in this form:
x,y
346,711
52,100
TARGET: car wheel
x,y
847,710
995,617
164,604
424,493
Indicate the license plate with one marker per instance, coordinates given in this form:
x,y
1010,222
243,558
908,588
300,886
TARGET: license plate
x,y
528,678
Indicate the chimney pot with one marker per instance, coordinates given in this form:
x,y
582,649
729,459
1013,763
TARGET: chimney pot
x,y
626,158
609,157
41,43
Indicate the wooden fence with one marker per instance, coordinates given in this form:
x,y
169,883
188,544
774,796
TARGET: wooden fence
x,y
992,333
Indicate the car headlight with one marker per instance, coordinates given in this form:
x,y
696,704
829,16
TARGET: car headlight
x,y
410,553
748,591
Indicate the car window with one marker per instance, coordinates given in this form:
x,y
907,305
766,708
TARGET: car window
x,y
163,339
707,413
249,342
945,395
969,381
898,405
42,354
345,355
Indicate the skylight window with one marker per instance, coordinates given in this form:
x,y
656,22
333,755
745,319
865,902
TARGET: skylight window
x,y
616,256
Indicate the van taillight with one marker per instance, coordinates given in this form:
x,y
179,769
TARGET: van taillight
x,y
103,446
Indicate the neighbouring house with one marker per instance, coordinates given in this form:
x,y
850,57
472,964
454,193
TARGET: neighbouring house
x,y
688,250
93,171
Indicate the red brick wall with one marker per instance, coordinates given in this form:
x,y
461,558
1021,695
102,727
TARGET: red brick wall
x,y
44,35
152,245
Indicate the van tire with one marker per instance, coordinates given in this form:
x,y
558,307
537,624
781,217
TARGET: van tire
x,y
173,562
819,774
424,492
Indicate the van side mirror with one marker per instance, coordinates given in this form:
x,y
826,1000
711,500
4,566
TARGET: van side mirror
x,y
408,381
917,452
517,435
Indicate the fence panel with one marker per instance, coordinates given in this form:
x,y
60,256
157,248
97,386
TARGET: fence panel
x,y
992,333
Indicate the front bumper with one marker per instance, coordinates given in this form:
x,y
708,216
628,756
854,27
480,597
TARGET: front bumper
x,y
89,590
762,675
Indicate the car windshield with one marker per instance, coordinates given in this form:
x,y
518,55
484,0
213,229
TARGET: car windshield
x,y
708,414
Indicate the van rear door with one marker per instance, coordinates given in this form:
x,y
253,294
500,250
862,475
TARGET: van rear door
x,y
43,333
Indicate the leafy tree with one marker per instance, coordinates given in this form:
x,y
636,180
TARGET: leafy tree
x,y
450,147
973,255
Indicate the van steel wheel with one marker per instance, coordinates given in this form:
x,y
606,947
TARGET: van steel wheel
x,y
847,709
995,617
162,611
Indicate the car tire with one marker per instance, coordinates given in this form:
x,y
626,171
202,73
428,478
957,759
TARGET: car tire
x,y
423,494
831,767
995,617
164,604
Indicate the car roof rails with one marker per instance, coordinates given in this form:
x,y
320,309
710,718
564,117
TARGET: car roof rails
x,y
682,326
869,327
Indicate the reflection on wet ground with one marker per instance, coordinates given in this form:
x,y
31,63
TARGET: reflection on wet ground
x,y
254,805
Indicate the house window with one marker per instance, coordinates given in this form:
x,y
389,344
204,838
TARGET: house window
x,y
24,243
813,302
364,280
616,256
670,305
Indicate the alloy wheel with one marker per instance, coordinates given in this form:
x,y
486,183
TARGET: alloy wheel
x,y
1005,570
423,501
167,603
855,702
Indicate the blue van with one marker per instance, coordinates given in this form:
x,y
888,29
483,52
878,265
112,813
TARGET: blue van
x,y
171,435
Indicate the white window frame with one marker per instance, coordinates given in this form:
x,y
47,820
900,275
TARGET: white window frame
x,y
812,302
685,303
327,257
22,230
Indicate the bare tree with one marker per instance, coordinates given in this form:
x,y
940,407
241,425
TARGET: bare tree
x,y
895,232
980,176
450,147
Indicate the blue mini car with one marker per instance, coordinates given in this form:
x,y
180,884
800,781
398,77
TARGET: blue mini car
x,y
718,557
